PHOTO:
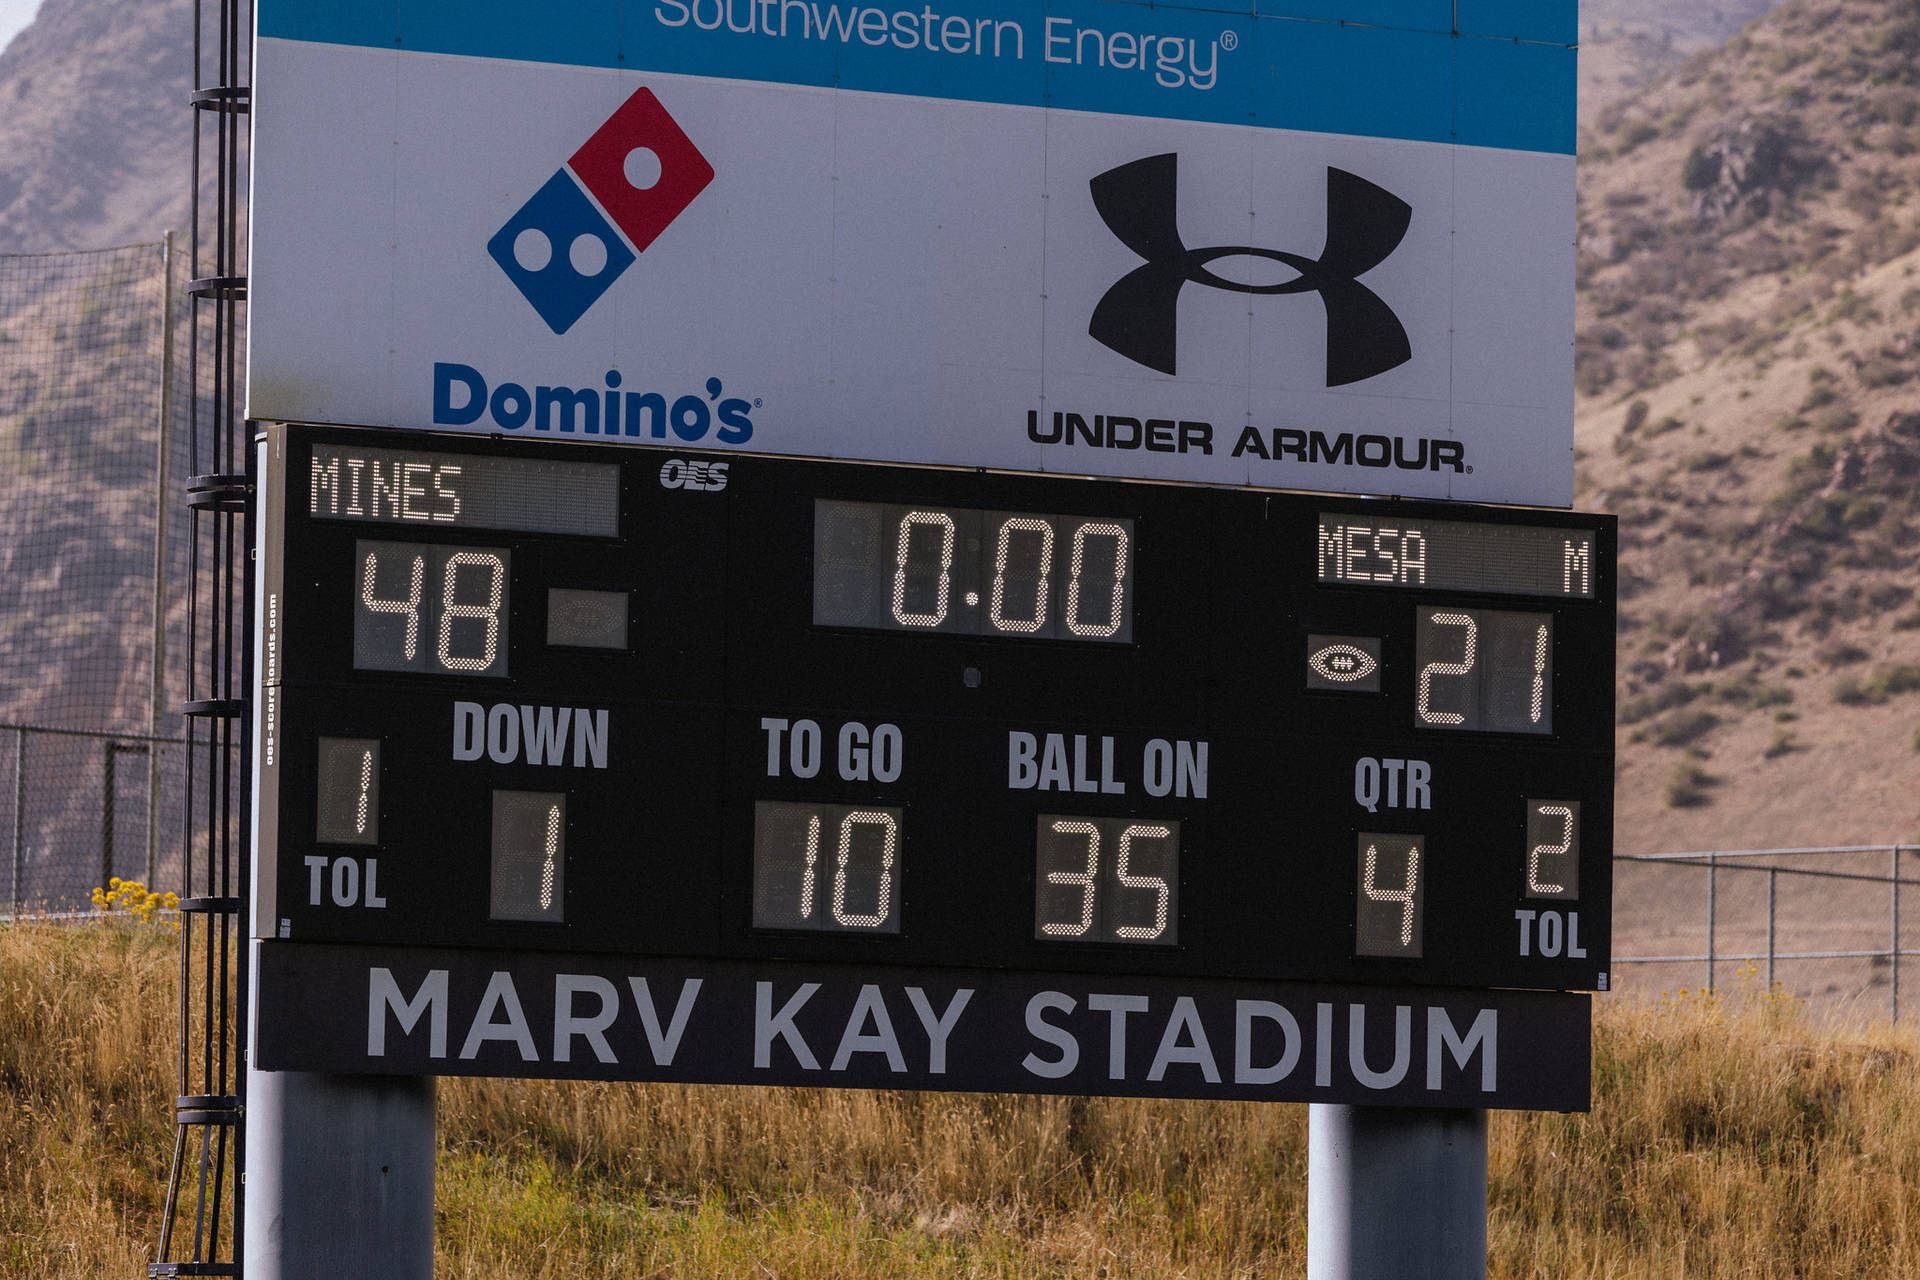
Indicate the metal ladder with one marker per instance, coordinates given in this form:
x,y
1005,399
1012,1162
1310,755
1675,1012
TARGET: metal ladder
x,y
209,1147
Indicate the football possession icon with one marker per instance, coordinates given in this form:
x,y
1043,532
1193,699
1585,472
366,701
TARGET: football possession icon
x,y
566,245
1349,664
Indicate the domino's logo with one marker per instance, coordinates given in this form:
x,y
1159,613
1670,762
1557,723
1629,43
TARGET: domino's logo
x,y
622,188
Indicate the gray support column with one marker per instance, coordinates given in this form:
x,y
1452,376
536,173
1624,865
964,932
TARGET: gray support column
x,y
1394,1193
339,1176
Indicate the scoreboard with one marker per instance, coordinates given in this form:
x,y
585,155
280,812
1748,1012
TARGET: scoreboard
x,y
520,698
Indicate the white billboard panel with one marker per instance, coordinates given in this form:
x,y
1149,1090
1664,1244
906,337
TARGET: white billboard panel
x,y
1091,238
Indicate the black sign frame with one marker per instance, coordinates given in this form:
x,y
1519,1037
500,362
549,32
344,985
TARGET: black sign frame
x,y
1269,772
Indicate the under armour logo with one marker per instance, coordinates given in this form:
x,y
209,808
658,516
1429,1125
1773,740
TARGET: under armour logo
x,y
1137,316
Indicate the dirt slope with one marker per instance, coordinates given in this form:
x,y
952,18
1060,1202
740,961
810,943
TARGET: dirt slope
x,y
1748,313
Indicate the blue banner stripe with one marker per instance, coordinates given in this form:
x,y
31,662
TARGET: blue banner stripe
x,y
1520,20
1412,15
1547,21
1392,69
1505,75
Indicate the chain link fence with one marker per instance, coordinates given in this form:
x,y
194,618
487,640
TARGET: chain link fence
x,y
1837,927
80,808
93,573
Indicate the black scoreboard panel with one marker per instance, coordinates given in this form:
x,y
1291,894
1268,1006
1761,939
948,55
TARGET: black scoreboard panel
x,y
556,698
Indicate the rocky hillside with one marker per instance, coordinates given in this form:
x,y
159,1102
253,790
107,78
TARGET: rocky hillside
x,y
1627,44
1749,309
95,134
94,152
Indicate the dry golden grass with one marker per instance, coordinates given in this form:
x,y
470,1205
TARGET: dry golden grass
x,y
703,1181
1729,1137
87,1054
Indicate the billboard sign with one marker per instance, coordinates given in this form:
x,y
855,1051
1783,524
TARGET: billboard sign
x,y
1311,244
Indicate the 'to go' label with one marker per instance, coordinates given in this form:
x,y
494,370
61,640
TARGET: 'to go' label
x,y
862,753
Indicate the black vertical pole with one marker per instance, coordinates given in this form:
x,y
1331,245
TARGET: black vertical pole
x,y
109,751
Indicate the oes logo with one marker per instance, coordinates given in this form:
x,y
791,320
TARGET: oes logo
x,y
570,242
710,476
1136,317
